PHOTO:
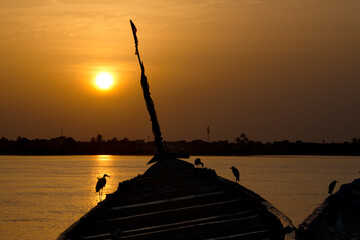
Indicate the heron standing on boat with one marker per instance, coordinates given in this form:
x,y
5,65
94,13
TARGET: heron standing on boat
x,y
101,184
236,173
198,162
332,186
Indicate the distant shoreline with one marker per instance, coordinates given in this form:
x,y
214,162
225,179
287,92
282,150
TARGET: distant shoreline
x,y
68,146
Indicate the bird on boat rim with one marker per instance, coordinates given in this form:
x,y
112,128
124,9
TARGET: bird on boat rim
x,y
198,163
101,184
236,173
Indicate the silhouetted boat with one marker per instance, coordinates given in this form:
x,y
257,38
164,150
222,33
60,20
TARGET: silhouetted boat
x,y
338,217
175,200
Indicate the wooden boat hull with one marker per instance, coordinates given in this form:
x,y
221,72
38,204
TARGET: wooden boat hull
x,y
174,200
338,217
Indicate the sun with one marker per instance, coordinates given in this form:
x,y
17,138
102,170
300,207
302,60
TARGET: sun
x,y
104,80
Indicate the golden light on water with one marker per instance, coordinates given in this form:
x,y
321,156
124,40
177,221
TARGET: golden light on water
x,y
104,81
104,157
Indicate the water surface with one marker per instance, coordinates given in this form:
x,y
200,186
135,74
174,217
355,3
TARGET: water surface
x,y
42,195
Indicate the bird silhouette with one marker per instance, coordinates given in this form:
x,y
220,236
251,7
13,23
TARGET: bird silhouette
x,y
236,173
332,186
198,162
101,184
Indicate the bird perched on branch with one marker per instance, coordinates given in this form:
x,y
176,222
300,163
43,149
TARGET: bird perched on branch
x,y
332,186
236,173
101,184
198,162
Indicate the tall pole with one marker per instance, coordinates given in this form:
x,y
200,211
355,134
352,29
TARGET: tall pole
x,y
208,133
148,100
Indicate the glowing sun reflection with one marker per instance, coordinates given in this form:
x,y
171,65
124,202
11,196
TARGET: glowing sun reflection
x,y
104,157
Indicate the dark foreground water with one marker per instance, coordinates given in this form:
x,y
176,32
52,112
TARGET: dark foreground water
x,y
42,195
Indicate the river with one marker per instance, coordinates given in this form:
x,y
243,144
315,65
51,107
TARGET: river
x,y
42,195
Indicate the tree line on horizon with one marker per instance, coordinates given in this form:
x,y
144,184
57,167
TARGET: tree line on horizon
x,y
241,146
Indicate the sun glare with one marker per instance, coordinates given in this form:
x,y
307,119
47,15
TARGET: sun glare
x,y
104,80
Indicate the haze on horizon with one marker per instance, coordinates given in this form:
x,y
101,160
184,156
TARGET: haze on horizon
x,y
273,69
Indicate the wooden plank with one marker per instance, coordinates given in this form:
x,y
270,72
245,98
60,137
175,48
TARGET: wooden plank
x,y
147,235
168,200
193,221
169,211
239,235
190,222
98,236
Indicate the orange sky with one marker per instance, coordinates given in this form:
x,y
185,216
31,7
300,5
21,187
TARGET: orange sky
x,y
275,70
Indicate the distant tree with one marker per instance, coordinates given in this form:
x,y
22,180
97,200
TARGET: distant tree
x,y
4,139
242,139
70,140
355,141
114,140
22,139
99,138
